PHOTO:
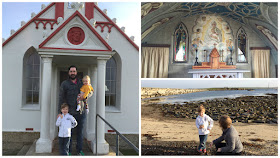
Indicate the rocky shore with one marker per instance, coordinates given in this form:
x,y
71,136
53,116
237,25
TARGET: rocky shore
x,y
247,109
157,92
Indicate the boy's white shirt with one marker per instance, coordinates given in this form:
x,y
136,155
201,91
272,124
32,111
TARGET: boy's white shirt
x,y
204,120
65,125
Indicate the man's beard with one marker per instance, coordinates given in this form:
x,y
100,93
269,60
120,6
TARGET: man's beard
x,y
73,77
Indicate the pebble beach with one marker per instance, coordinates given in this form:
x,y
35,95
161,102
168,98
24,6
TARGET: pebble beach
x,y
169,129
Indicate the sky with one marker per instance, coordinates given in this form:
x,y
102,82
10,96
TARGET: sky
x,y
127,14
183,83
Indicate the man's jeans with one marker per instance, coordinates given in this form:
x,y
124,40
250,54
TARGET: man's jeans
x,y
80,118
202,142
220,145
64,143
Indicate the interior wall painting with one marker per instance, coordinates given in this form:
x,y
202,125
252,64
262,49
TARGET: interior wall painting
x,y
269,35
211,31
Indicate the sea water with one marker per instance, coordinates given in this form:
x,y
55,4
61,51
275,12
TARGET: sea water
x,y
208,95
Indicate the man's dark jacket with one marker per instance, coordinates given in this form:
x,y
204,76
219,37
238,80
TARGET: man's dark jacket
x,y
233,142
68,94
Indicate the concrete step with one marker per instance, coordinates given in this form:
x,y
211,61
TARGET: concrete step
x,y
55,151
24,150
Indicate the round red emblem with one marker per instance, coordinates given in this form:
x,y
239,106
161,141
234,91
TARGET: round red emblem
x,y
76,35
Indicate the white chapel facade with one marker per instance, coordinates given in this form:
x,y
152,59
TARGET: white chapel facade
x,y
35,60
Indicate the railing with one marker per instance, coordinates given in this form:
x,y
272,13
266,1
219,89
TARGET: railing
x,y
117,136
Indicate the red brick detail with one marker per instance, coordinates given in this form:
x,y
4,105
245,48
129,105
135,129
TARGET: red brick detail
x,y
59,10
116,26
103,25
29,129
99,50
89,10
29,22
44,22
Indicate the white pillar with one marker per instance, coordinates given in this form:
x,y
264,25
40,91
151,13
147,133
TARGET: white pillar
x,y
102,145
44,144
92,105
53,113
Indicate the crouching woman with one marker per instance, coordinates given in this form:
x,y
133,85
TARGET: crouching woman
x,y
232,145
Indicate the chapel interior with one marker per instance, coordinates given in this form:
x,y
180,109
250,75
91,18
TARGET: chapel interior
x,y
209,40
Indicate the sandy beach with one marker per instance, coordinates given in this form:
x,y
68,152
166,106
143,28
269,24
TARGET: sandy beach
x,y
167,134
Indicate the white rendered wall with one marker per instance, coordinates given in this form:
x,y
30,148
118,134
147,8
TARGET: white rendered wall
x,y
14,118
126,119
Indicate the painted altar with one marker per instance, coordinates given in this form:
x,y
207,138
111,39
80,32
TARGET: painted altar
x,y
216,69
217,73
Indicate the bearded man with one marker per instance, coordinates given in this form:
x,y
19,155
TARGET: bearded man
x,y
69,90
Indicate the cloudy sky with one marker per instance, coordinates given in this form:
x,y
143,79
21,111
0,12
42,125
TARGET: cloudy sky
x,y
127,14
190,83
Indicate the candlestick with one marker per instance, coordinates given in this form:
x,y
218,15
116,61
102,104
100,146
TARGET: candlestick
x,y
222,55
205,56
196,58
230,49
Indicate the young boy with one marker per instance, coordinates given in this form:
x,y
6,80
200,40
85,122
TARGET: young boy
x,y
65,122
83,96
204,124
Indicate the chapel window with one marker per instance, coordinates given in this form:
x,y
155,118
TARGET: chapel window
x,y
111,76
32,78
242,53
180,44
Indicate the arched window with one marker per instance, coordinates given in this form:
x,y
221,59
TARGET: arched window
x,y
111,77
242,54
31,77
180,44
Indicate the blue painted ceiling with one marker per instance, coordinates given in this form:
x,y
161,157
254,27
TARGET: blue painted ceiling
x,y
236,11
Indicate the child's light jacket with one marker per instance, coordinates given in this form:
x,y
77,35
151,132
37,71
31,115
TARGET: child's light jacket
x,y
65,125
206,121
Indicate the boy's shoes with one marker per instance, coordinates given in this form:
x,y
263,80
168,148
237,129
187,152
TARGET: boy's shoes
x,y
78,107
69,154
199,150
81,153
204,151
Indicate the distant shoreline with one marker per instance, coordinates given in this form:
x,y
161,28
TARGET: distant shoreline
x,y
147,92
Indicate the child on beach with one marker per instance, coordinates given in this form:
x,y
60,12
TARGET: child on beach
x,y
84,92
65,122
204,124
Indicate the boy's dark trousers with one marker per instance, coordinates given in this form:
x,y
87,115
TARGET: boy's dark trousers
x,y
202,141
64,143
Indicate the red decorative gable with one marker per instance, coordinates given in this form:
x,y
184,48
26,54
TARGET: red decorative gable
x,y
103,24
59,12
77,13
23,27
